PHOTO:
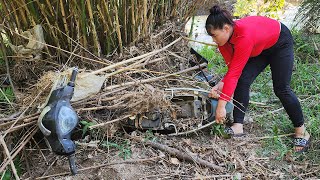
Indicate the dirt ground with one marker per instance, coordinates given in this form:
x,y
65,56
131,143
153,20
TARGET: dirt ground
x,y
237,158
233,155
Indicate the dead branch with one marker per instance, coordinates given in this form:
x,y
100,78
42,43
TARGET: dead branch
x,y
133,59
134,83
192,131
181,155
3,143
108,122
188,39
21,145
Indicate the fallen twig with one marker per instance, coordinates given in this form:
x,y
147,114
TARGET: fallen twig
x,y
269,137
193,130
132,59
209,44
108,122
3,143
154,79
22,144
181,155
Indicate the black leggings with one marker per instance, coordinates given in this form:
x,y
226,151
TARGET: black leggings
x,y
280,58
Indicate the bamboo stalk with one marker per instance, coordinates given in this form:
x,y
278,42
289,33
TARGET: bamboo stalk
x,y
52,31
58,34
8,13
174,8
31,18
133,21
138,17
110,26
117,26
151,18
32,11
83,23
145,19
125,22
162,12
106,30
94,31
22,14
49,6
65,24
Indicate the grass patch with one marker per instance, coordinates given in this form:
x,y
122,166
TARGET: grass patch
x,y
216,63
305,83
6,95
123,148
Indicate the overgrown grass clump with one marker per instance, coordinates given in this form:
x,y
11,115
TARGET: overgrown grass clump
x,y
216,63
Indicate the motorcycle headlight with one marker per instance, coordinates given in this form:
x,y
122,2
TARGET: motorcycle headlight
x,y
68,119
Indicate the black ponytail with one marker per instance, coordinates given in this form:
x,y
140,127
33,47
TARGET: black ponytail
x,y
218,18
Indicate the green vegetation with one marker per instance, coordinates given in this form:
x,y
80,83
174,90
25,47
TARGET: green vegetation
x,y
305,83
123,148
85,125
268,8
149,136
8,174
216,62
6,95
306,46
218,129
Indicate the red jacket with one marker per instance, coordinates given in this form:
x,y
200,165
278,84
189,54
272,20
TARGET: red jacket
x,y
251,35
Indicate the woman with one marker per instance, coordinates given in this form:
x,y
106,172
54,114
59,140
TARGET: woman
x,y
248,46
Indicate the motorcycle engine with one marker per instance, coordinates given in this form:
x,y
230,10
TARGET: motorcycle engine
x,y
191,108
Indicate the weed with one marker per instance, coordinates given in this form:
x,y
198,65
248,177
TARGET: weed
x,y
149,136
123,148
6,95
218,129
7,174
304,46
86,125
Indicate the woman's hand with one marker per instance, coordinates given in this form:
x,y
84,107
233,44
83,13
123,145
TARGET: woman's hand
x,y
221,114
216,90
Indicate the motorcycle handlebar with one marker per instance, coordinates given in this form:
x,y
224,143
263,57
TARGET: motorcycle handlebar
x,y
74,74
